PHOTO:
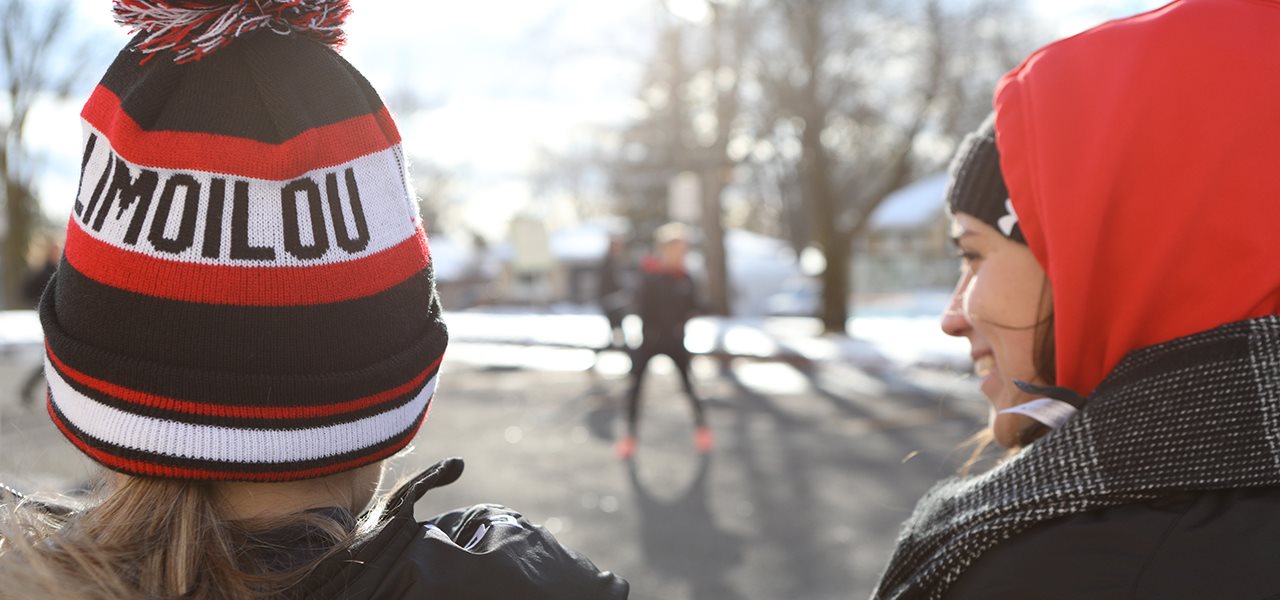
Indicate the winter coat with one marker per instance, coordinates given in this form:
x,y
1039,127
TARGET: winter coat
x,y
486,552
668,299
1165,484
1191,546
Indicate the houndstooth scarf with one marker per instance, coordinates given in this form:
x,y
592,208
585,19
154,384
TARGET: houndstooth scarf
x,y
1197,413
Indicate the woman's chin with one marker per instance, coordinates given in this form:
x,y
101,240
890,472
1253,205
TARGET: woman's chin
x,y
1009,429
989,385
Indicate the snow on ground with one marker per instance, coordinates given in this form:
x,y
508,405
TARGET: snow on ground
x,y
898,331
19,327
906,328
913,341
901,330
20,339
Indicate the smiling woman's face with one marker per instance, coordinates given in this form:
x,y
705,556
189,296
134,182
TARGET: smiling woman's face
x,y
1002,296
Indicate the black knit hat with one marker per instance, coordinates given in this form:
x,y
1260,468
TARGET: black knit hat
x,y
977,186
246,292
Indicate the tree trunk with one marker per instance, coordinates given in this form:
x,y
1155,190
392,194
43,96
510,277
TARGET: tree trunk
x,y
845,241
835,279
718,167
20,218
835,290
713,252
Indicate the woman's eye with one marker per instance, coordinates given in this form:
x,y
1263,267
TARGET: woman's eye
x,y
969,260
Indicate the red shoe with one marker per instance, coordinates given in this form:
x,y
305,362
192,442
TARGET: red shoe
x,y
626,447
703,440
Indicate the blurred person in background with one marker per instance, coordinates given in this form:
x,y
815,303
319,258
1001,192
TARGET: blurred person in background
x,y
243,328
32,287
612,290
1116,219
42,271
667,299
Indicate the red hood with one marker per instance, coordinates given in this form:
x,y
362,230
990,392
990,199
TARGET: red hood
x,y
1143,160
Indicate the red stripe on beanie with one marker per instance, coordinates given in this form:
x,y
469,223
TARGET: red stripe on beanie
x,y
244,412
150,469
246,286
313,149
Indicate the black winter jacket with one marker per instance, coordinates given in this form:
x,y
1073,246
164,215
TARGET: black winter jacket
x,y
1222,545
486,552
668,299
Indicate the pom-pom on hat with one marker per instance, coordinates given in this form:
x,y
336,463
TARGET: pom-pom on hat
x,y
191,29
246,291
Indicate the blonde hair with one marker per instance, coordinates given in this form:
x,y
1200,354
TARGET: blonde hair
x,y
153,538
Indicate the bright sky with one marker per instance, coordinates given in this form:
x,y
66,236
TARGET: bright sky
x,y
499,79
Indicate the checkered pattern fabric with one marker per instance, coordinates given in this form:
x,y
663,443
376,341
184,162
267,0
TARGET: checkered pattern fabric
x,y
1197,413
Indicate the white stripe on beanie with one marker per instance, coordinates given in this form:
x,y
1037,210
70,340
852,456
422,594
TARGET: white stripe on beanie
x,y
229,444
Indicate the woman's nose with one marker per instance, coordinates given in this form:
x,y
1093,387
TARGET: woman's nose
x,y
954,322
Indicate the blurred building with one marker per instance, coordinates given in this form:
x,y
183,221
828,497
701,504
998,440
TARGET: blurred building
x,y
907,245
465,269
578,253
758,267
565,272
907,248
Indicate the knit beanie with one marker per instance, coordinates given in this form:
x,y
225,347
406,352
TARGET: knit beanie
x,y
976,185
246,291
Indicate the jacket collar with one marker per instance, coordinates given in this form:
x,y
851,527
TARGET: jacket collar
x,y
438,475
335,577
